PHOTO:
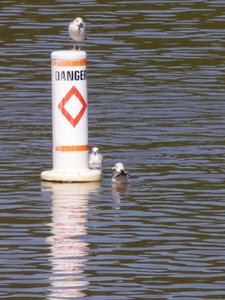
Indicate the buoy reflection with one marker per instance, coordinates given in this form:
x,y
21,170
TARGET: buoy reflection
x,y
68,246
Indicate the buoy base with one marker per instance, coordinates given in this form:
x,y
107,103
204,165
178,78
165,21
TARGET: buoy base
x,y
83,175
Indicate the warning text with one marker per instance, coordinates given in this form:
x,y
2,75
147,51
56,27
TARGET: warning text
x,y
70,75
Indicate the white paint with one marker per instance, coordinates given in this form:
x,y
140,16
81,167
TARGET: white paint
x,y
73,106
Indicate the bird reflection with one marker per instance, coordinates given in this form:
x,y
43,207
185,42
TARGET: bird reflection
x,y
119,192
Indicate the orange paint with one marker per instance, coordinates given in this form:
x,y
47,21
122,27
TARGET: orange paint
x,y
69,63
72,148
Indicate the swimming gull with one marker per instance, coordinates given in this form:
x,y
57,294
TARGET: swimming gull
x,y
77,30
119,175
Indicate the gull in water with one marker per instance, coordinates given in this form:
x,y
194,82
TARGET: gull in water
x,y
77,30
95,158
119,175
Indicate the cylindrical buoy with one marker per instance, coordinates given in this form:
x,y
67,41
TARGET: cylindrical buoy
x,y
70,119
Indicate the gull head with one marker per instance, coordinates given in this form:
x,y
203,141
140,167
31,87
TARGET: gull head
x,y
79,22
118,167
95,149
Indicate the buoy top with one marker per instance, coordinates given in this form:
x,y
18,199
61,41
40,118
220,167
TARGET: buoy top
x,y
69,55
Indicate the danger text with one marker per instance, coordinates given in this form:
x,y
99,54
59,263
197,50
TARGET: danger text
x,y
70,75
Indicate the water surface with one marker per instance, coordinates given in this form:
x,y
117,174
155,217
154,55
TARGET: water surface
x,y
156,103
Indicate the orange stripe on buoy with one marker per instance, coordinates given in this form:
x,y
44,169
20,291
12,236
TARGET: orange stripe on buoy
x,y
72,148
69,63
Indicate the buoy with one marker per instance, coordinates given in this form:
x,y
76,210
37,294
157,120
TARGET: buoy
x,y
70,119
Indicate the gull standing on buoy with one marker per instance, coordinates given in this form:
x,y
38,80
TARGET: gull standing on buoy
x,y
77,30
95,158
119,175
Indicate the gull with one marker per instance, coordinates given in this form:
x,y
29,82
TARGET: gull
x,y
77,30
95,158
119,175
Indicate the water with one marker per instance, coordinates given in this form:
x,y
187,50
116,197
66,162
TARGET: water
x,y
156,102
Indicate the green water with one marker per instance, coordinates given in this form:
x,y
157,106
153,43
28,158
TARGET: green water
x,y
156,103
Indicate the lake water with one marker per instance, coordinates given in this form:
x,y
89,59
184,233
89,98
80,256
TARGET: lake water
x,y
156,103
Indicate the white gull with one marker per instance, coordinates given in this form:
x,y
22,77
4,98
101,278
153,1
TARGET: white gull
x,y
77,30
119,175
95,158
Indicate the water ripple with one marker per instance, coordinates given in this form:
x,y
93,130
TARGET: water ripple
x,y
156,102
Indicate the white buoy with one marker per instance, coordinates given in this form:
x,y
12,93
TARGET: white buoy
x,y
70,119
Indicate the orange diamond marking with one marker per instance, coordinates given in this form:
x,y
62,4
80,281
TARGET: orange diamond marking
x,y
73,120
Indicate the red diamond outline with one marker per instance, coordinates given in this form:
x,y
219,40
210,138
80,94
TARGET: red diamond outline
x,y
67,115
